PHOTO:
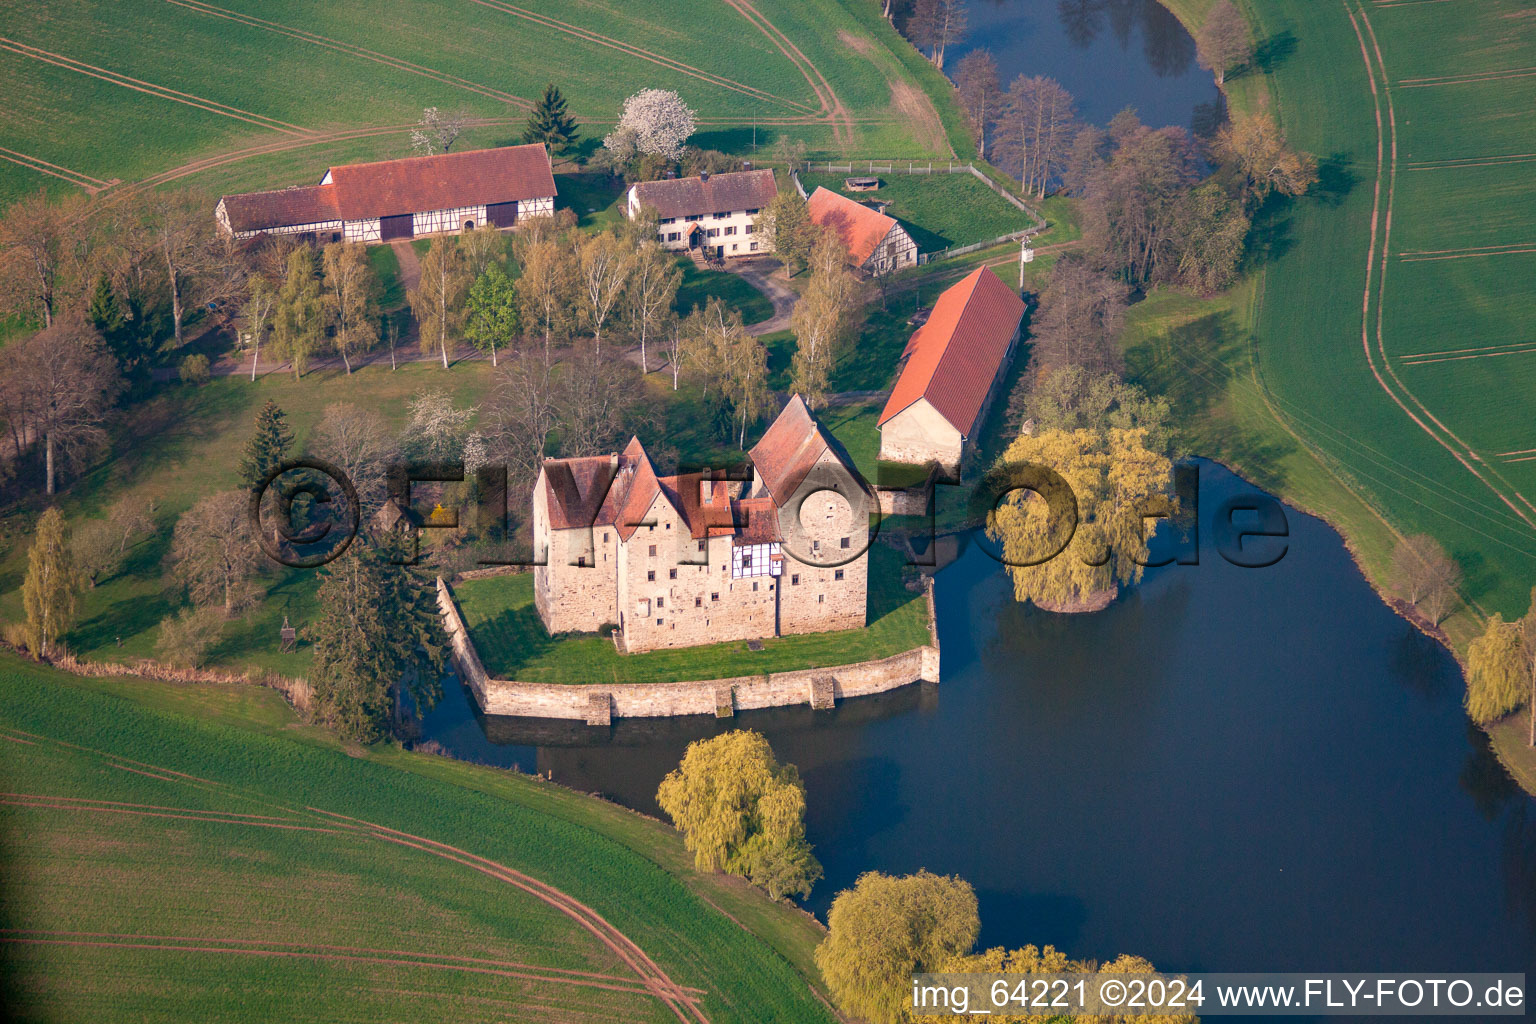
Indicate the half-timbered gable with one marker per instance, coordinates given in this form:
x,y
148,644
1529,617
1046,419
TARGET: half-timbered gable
x,y
876,243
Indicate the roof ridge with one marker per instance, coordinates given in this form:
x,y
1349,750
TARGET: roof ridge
x,y
433,156
975,278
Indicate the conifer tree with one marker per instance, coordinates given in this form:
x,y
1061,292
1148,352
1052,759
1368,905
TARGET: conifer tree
x,y
549,122
268,446
379,623
50,592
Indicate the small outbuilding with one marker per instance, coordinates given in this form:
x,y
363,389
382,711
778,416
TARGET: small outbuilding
x,y
952,368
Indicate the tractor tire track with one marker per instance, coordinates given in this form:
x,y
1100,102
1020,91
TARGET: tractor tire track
x,y
655,979
835,112
587,35
399,64
41,166
149,88
1381,218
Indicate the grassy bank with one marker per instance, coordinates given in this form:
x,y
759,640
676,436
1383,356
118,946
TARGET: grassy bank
x,y
193,831
939,211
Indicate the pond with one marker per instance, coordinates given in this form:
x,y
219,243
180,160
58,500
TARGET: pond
x,y
1227,769
1108,53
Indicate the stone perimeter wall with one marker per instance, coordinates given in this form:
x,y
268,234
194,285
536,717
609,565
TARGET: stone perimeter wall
x,y
693,697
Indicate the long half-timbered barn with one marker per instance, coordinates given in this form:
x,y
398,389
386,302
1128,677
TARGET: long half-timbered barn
x,y
390,199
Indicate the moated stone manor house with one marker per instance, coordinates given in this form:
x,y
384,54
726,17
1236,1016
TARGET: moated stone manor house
x,y
396,199
673,561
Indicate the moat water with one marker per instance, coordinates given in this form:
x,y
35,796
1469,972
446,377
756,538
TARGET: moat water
x,y
1227,769
1109,54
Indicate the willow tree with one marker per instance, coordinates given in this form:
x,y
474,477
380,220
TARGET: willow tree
x,y
742,812
1117,482
51,591
886,929
1498,676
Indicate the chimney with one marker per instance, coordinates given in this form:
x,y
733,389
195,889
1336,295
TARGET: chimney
x,y
746,165
671,173
703,175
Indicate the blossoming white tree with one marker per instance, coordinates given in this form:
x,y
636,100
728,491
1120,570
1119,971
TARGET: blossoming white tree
x,y
652,121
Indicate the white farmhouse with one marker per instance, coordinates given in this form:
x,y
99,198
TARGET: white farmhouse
x,y
711,214
390,199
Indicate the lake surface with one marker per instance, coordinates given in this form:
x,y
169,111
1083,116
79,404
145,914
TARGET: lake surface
x,y
1228,769
1108,53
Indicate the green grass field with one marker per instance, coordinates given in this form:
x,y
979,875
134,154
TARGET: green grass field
x,y
196,833
512,642
938,210
101,92
1431,441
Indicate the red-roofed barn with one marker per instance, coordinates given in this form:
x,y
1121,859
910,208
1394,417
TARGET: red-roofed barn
x,y
389,199
953,366
875,243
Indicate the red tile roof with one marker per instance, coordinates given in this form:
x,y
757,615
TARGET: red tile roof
x,y
618,490
860,228
718,193
953,359
416,184
259,211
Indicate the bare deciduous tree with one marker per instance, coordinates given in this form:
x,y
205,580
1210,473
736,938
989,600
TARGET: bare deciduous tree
x,y
181,230
522,415
1036,125
438,299
1081,313
602,272
68,381
1425,576
546,288
40,245
1222,42
100,545
256,316
980,93
653,283
1255,144
936,24
594,396
356,440
214,552
351,299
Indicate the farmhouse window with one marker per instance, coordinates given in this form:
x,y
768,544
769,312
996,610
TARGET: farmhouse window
x,y
714,597
650,577
661,236
713,232
752,247
673,236
658,622
668,220
722,216
794,580
653,551
821,598
694,217
698,602
701,545
751,211
844,542
734,247
660,602
837,575
671,574
750,229
730,229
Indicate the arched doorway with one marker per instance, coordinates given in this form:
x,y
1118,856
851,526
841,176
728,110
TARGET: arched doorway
x,y
469,225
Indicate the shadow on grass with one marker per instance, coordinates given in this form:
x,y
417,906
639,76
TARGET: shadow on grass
x,y
511,640
1274,51
1335,179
